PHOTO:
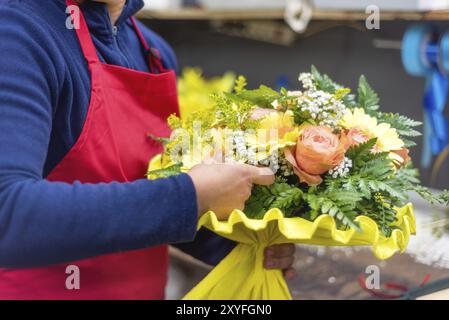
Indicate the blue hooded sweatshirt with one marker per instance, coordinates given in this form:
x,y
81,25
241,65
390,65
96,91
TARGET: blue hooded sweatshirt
x,y
44,97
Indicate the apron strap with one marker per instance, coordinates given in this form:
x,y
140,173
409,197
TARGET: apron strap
x,y
88,47
154,55
84,37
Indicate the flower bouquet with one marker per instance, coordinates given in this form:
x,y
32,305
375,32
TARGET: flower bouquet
x,y
342,175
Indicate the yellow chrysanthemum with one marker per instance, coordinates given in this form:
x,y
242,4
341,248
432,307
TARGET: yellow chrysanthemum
x,y
387,137
358,119
276,130
277,120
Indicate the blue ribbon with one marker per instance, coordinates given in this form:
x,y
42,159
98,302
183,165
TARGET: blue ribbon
x,y
436,126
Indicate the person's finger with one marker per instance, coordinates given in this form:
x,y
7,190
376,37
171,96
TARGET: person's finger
x,y
262,176
280,250
279,263
290,274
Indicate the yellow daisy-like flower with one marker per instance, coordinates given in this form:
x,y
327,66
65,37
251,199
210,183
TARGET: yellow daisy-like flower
x,y
276,130
360,120
278,120
387,137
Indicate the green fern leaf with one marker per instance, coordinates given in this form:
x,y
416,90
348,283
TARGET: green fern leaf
x,y
367,97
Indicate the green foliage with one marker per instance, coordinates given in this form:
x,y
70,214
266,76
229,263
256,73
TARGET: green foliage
x,y
162,140
380,211
240,84
367,97
372,181
231,111
444,197
339,204
323,81
288,201
279,195
262,97
403,125
166,172
407,179
361,153
174,122
426,194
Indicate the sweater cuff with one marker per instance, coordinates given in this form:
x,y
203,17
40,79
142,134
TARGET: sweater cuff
x,y
185,229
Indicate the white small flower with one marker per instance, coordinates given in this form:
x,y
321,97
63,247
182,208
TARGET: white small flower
x,y
342,169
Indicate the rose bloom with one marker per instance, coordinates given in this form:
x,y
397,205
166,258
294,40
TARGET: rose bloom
x,y
355,136
317,151
400,157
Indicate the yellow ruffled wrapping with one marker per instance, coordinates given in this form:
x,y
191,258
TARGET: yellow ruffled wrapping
x,y
241,274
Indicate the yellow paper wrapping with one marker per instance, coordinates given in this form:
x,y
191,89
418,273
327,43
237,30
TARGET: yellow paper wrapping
x,y
241,274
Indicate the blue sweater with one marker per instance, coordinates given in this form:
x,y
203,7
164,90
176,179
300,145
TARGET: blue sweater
x,y
44,97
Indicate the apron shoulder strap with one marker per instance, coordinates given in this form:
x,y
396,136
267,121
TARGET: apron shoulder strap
x,y
152,53
82,31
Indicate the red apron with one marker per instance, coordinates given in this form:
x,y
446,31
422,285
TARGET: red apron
x,y
125,106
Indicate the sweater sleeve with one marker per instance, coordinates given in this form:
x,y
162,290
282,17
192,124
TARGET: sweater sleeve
x,y
44,222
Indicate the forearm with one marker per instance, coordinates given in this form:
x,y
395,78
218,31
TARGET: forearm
x,y
46,222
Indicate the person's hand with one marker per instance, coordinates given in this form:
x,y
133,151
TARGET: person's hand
x,y
281,256
224,187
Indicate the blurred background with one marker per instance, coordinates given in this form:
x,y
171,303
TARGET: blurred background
x,y
271,42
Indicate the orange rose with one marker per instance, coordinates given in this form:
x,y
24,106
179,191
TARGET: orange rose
x,y
317,151
403,157
355,137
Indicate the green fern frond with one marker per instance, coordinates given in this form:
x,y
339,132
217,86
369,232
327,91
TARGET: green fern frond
x,y
368,99
323,82
339,205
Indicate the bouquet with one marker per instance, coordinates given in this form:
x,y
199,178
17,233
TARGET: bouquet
x,y
342,167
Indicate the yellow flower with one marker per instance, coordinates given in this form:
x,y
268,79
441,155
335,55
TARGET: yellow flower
x,y
276,130
195,90
278,120
387,137
358,119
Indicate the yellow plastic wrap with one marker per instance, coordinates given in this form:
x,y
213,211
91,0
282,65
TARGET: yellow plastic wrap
x,y
241,274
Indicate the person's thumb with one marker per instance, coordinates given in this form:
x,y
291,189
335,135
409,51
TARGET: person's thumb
x,y
261,175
